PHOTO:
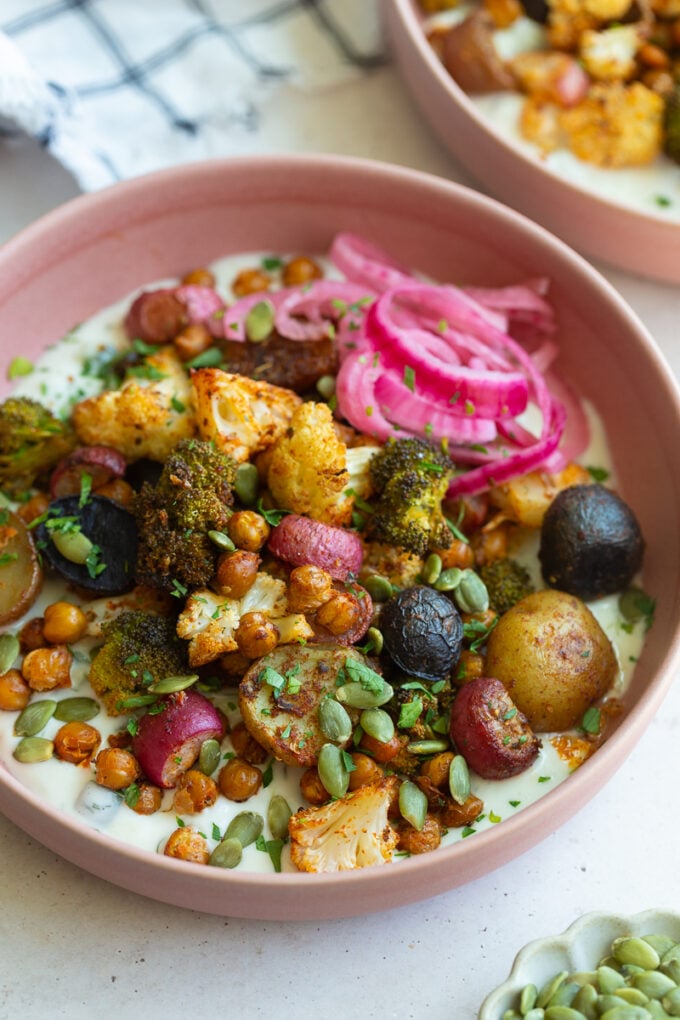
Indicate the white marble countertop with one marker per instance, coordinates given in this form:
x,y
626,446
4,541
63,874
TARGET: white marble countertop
x,y
73,945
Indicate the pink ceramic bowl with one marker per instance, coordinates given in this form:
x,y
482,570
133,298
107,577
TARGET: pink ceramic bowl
x,y
648,244
100,247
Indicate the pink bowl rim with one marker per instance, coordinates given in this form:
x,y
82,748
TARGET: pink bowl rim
x,y
277,896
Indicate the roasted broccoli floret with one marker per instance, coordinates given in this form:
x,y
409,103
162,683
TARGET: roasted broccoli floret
x,y
32,441
507,581
192,497
139,649
671,125
411,477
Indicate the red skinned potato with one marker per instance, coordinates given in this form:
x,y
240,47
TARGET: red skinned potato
x,y
490,732
470,56
156,316
101,463
168,743
300,540
21,575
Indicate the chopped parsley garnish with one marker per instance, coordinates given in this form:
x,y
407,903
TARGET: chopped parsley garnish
x,y
409,378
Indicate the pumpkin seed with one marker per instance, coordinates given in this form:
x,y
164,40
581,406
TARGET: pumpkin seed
x,y
325,385
356,695
222,541
449,579
670,963
76,709
585,1001
633,996
427,746
377,724
209,756
412,804
662,943
565,994
74,546
226,854
609,1001
34,717
278,814
459,779
527,999
432,568
563,1013
33,749
512,1014
635,950
378,587
247,483
608,980
245,827
470,595
534,1014
375,640
260,321
334,721
550,987
626,1013
173,684
656,1010
653,983
671,1002
9,650
332,770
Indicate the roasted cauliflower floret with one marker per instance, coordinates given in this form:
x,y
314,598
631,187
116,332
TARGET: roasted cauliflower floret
x,y
524,500
616,125
308,468
609,55
147,416
351,832
399,566
567,19
241,416
209,621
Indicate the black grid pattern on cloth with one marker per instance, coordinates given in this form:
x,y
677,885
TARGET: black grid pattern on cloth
x,y
122,73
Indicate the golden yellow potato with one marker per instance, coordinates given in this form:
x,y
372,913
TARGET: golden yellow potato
x,y
553,657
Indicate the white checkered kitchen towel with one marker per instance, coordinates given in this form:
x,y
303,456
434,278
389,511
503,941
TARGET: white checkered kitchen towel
x,y
115,88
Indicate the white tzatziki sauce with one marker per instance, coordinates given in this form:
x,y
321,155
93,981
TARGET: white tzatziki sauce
x,y
653,189
57,381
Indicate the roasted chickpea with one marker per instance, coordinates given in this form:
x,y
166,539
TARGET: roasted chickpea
x,y
459,554
312,789
45,669
653,56
381,752
121,738
236,573
116,768
250,281
64,623
187,844
436,769
415,841
246,746
365,772
192,341
504,12
31,635
309,587
34,507
486,617
470,665
238,780
235,664
300,270
490,545
256,635
118,490
195,792
200,277
147,799
76,742
339,613
454,815
469,512
248,530
15,693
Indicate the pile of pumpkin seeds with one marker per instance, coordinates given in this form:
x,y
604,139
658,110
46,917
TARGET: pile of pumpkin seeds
x,y
638,980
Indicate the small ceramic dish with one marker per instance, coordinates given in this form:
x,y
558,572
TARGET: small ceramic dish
x,y
579,948
595,222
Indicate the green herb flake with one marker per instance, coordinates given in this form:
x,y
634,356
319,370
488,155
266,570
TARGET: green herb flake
x,y
210,358
363,674
178,590
271,263
409,714
19,367
514,803
598,474
85,489
7,558
131,795
177,405
409,378
544,779
216,834
592,720
493,817
663,201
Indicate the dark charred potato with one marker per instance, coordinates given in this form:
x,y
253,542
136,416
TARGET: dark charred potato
x,y
423,632
591,543
553,658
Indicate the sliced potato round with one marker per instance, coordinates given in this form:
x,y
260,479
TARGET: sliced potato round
x,y
20,571
279,698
